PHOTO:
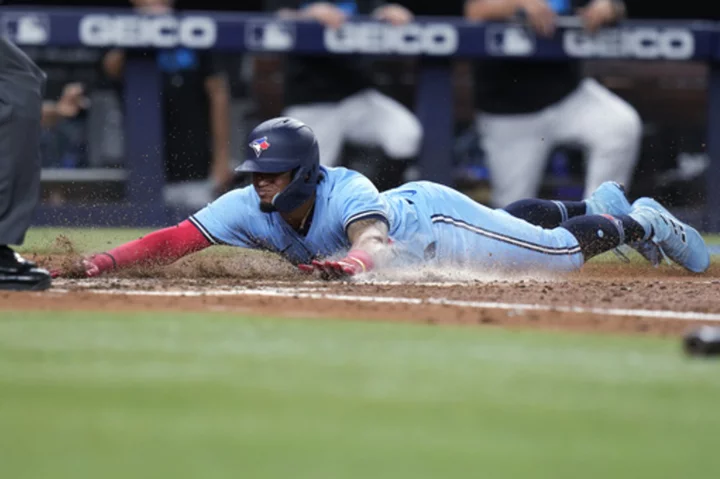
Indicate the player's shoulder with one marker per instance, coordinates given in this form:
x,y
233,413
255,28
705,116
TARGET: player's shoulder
x,y
242,192
338,177
239,198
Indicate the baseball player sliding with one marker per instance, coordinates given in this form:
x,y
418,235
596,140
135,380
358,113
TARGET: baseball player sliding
x,y
333,221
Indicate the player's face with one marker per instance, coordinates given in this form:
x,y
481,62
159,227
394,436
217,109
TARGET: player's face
x,y
267,185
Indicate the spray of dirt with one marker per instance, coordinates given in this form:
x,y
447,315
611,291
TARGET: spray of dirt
x,y
269,267
243,266
439,274
240,265
67,259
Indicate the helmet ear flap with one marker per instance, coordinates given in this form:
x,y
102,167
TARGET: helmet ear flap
x,y
311,173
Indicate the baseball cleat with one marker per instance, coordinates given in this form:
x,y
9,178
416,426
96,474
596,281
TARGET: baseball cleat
x,y
671,237
608,199
19,274
648,250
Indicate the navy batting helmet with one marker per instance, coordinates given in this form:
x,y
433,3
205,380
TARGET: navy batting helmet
x,y
285,144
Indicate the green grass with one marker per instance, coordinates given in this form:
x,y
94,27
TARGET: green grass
x,y
108,395
88,240
712,239
45,240
120,395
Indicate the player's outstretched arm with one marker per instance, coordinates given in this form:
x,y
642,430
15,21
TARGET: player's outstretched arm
x,y
370,236
369,240
158,248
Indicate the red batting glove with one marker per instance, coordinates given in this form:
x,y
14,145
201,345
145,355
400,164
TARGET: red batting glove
x,y
87,267
356,262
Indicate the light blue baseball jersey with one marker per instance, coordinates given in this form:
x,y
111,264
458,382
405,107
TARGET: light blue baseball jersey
x,y
343,196
427,222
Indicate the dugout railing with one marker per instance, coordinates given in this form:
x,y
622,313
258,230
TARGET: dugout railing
x,y
435,41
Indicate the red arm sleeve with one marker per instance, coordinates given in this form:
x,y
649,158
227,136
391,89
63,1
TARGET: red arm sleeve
x,y
157,248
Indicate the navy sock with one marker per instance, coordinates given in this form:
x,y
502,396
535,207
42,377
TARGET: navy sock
x,y
634,231
546,213
597,234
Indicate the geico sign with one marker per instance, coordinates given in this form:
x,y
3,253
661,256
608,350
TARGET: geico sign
x,y
428,39
147,31
641,42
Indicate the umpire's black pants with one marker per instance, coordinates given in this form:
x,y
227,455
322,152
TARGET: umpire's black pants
x,y
22,86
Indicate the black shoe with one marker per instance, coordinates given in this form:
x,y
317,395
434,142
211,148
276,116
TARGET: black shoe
x,y
19,274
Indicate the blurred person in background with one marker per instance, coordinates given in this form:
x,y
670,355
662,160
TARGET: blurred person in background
x,y
196,103
528,108
64,136
70,104
336,95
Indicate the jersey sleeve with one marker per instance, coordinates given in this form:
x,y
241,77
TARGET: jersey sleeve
x,y
359,200
227,220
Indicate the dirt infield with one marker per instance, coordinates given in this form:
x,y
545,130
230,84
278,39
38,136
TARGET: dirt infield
x,y
602,297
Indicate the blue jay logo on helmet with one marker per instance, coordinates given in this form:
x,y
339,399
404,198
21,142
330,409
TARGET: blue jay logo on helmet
x,y
260,145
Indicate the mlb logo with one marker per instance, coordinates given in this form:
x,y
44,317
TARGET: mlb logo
x,y
270,36
259,145
26,28
511,41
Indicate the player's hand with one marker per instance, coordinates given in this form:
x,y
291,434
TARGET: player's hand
x,y
72,100
354,263
85,268
330,270
540,15
325,13
394,14
600,13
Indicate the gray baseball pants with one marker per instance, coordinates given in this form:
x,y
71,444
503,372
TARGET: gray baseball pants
x,y
22,86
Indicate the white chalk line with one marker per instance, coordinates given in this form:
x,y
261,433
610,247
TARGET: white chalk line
x,y
310,293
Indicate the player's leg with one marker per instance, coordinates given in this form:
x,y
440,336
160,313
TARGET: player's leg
x,y
468,234
328,124
648,225
610,221
21,91
19,175
546,213
669,236
607,126
516,148
600,223
609,199
597,234
384,122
